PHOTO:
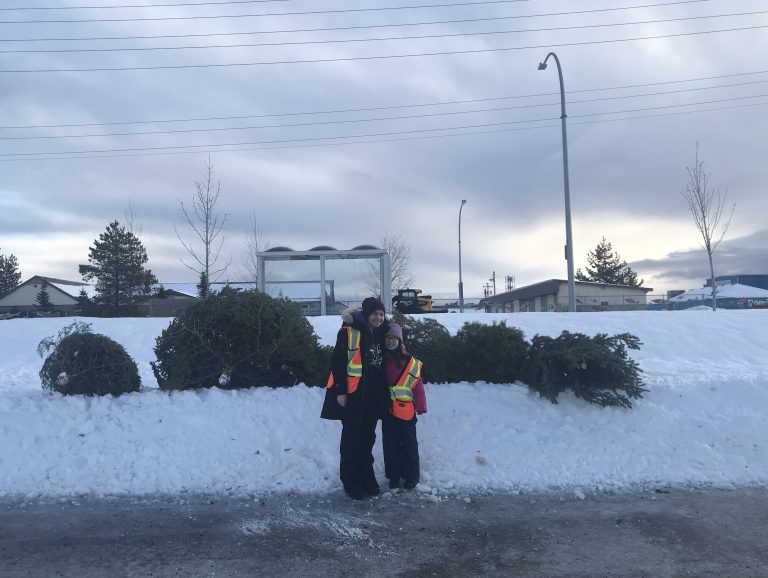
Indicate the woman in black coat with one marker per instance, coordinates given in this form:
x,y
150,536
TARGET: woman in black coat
x,y
358,403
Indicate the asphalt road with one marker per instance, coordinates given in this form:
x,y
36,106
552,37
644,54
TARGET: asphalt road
x,y
654,534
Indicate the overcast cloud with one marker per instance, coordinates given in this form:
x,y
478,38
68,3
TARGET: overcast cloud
x,y
408,178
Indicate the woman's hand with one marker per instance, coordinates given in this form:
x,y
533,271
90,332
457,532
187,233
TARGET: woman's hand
x,y
342,399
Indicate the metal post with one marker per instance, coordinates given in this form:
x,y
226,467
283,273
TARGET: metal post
x,y
461,283
322,285
568,233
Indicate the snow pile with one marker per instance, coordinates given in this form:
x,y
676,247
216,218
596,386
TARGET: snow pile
x,y
703,423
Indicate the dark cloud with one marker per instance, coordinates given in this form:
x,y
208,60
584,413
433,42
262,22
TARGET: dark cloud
x,y
740,256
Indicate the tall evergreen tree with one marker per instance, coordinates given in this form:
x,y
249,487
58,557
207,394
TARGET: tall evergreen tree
x,y
117,260
43,298
10,276
605,266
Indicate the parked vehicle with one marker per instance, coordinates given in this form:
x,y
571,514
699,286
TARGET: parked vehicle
x,y
410,301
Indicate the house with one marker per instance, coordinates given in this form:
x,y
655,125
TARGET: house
x,y
63,296
552,295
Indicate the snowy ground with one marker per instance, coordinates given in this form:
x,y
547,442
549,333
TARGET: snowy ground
x,y
703,423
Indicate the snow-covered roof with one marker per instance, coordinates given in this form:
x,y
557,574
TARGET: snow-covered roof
x,y
735,291
74,289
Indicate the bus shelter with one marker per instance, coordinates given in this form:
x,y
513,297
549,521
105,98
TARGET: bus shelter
x,y
324,280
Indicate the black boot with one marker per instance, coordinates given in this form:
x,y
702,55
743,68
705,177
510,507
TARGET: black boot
x,y
409,484
394,484
354,492
372,489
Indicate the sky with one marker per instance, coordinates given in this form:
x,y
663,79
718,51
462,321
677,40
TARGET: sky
x,y
460,113
701,424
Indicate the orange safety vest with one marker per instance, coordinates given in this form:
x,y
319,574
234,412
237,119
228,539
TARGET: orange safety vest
x,y
402,392
354,361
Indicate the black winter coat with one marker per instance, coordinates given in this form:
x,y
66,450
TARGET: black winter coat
x,y
372,392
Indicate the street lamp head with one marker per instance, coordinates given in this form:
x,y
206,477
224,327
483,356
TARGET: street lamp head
x,y
542,65
463,201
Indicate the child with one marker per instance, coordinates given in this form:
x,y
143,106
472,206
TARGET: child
x,y
398,428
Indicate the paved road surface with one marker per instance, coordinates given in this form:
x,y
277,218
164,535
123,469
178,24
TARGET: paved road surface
x,y
680,533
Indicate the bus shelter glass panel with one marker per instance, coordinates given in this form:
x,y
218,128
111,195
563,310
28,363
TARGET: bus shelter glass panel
x,y
297,280
353,280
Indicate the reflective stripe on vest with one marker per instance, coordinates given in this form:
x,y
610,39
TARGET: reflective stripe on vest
x,y
403,389
354,361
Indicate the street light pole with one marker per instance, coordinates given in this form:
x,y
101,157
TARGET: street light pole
x,y
461,283
568,233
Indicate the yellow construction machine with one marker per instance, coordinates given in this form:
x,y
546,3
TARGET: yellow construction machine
x,y
410,301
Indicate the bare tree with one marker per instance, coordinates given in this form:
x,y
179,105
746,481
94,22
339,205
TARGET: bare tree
x,y
131,220
207,223
399,265
255,242
707,206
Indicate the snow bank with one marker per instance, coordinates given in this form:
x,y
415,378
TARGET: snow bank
x,y
703,423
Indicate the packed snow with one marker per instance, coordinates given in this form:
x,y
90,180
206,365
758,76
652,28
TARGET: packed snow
x,y
704,422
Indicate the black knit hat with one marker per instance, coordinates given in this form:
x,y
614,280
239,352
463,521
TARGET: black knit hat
x,y
371,304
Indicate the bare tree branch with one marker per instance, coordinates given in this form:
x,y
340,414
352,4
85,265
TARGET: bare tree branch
x,y
707,207
132,223
255,243
207,224
399,265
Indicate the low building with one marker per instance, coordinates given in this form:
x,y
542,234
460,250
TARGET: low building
x,y
62,294
552,295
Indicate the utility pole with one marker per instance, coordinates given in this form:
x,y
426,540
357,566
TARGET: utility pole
x,y
486,290
509,280
493,280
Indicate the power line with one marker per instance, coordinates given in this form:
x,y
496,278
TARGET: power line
x,y
337,28
378,39
271,14
371,135
222,3
398,139
279,141
418,105
380,57
666,106
379,119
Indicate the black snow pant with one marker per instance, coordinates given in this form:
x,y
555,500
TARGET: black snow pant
x,y
358,435
401,449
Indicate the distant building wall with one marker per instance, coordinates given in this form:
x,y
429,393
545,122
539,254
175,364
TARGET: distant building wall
x,y
552,295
